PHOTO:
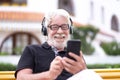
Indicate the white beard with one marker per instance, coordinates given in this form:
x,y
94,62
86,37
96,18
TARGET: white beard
x,y
59,41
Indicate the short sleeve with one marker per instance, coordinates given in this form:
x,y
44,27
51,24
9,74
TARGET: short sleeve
x,y
26,60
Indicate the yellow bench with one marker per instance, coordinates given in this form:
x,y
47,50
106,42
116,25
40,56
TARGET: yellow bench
x,y
7,75
106,74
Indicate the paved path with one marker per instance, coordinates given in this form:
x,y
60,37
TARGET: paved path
x,y
89,59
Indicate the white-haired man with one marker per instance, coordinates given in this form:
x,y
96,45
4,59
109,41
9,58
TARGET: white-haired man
x,y
47,61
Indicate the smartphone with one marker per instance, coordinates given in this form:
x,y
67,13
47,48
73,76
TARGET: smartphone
x,y
73,46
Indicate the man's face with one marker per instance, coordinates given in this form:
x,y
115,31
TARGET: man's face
x,y
58,33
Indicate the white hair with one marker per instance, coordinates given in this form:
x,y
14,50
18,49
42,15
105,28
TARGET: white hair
x,y
61,12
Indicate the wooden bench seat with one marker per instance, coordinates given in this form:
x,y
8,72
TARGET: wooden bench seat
x,y
106,74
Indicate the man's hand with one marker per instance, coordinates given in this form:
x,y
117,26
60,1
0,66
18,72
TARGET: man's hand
x,y
73,66
56,67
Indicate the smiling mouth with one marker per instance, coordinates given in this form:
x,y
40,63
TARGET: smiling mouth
x,y
59,36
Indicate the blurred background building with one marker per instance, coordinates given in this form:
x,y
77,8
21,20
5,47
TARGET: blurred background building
x,y
20,20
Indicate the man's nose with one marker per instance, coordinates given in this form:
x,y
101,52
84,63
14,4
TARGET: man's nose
x,y
60,30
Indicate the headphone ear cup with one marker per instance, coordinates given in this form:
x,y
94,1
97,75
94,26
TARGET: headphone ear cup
x,y
44,31
71,30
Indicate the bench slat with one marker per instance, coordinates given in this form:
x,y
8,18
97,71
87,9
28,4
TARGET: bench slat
x,y
7,77
106,74
110,75
112,79
106,70
7,72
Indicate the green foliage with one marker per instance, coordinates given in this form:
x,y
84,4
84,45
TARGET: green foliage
x,y
11,67
3,53
111,48
102,66
18,50
86,34
7,67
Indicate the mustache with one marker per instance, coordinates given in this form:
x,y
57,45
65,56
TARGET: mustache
x,y
59,36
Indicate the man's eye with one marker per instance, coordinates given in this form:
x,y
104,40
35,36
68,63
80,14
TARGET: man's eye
x,y
54,27
65,26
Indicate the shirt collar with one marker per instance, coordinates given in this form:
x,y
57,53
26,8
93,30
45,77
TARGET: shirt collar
x,y
60,53
46,45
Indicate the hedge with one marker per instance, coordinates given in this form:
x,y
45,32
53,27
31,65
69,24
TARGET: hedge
x,y
7,67
111,48
11,67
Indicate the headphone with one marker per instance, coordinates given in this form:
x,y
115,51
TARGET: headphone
x,y
44,28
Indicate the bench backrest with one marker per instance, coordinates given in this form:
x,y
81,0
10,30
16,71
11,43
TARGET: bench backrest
x,y
109,74
106,74
7,75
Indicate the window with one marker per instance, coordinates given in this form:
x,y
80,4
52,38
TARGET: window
x,y
15,43
91,10
114,23
67,5
13,2
102,15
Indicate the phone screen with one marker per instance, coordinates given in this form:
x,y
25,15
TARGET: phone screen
x,y
74,47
